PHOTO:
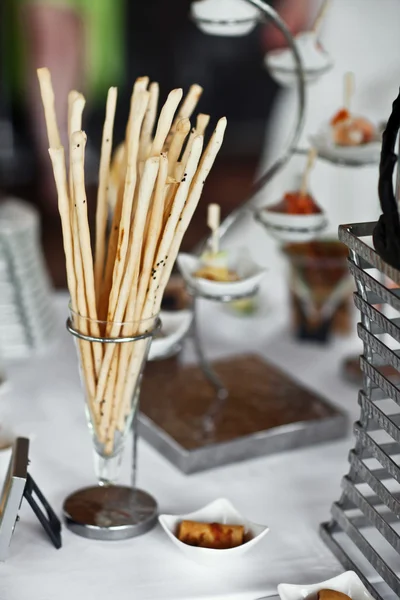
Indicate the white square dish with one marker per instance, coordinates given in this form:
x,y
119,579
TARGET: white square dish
x,y
249,272
348,583
219,511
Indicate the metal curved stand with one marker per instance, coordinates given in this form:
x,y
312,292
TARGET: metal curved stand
x,y
271,15
222,394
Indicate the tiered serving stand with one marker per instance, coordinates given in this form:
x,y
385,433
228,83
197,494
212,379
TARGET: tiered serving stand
x,y
211,414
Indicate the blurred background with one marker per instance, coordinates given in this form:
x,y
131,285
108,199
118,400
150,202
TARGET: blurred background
x,y
91,45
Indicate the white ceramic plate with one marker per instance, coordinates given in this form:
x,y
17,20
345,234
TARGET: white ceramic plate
x,y
366,154
250,274
219,511
348,583
224,17
175,325
292,228
288,77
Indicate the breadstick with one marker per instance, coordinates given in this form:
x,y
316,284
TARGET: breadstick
x,y
104,177
182,130
146,190
140,85
200,129
165,121
159,264
138,112
116,175
46,90
78,154
152,237
133,264
134,308
163,249
196,189
186,110
149,122
76,104
111,253
60,176
58,160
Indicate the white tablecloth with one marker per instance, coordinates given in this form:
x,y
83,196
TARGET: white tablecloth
x,y
291,492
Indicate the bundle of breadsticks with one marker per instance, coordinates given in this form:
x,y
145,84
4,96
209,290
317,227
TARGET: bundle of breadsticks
x,y
153,181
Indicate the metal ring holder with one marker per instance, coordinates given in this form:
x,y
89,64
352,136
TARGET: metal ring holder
x,y
117,340
208,372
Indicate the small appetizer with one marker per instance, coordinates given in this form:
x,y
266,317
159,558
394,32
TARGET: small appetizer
x,y
214,267
332,595
299,202
296,203
348,129
214,264
211,535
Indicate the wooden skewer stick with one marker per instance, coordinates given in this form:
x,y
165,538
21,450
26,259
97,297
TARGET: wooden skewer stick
x,y
319,19
104,180
213,222
348,90
312,155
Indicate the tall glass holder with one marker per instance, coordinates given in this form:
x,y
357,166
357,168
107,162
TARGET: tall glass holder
x,y
112,511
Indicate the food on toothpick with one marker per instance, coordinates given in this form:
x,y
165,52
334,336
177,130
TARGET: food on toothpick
x,y
211,535
214,263
157,183
332,595
299,202
348,129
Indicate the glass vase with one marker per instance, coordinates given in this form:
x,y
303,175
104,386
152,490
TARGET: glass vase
x,y
111,357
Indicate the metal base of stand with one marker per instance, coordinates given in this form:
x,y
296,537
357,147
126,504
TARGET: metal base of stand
x,y
110,512
266,412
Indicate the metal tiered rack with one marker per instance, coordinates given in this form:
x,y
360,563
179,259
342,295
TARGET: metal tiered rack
x,y
373,535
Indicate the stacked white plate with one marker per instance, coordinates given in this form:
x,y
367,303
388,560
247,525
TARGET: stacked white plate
x,y
27,320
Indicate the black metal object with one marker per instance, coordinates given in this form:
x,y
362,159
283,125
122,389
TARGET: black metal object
x,y
18,485
377,433
47,518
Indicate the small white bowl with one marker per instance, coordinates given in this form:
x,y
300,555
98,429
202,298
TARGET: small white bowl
x,y
348,583
292,228
315,60
365,154
175,325
219,511
249,272
288,77
224,17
